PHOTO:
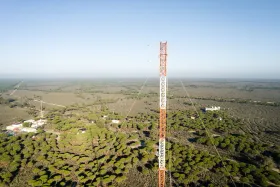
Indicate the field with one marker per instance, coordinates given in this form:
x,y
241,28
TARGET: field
x,y
9,115
246,132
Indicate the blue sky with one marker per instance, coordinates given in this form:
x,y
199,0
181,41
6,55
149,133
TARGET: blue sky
x,y
94,38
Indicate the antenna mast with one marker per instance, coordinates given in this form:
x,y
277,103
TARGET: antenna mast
x,y
42,109
162,117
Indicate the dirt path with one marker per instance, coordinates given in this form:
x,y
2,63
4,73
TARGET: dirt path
x,y
49,103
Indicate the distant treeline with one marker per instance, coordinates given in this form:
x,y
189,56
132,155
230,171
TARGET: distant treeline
x,y
234,100
11,102
5,86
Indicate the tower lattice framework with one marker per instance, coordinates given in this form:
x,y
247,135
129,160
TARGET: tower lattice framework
x,y
162,118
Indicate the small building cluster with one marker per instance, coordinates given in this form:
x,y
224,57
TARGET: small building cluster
x,y
21,128
113,121
36,124
212,108
14,127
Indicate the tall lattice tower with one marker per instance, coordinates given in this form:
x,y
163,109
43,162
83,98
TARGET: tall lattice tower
x,y
162,118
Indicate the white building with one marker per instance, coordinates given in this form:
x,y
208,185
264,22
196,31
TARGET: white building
x,y
14,127
34,125
212,108
270,102
28,129
38,123
115,121
29,121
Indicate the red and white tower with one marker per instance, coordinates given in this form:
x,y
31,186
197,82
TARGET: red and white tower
x,y
162,118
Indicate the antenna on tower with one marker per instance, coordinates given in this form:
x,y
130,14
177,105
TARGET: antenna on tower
x,y
162,117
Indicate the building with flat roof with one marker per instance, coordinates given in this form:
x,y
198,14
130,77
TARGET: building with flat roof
x,y
115,121
28,129
14,127
34,125
213,108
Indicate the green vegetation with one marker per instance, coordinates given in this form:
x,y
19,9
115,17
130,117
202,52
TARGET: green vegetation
x,y
246,159
12,102
217,121
26,124
80,145
6,85
199,168
234,100
106,153
98,157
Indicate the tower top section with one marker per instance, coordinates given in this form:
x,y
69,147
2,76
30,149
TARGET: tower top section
x,y
163,58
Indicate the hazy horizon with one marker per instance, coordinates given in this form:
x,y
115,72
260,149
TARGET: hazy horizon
x,y
116,78
88,39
